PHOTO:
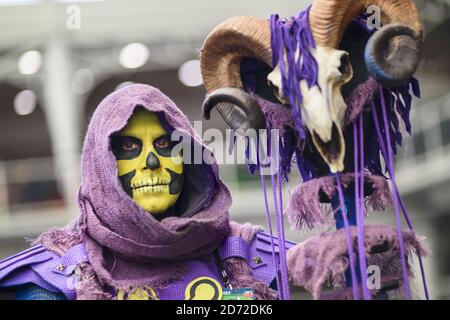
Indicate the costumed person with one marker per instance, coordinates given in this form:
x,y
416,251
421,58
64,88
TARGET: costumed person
x,y
152,225
338,91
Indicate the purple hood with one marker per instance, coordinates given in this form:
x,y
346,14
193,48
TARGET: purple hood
x,y
126,245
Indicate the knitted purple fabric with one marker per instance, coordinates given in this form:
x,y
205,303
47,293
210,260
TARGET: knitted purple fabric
x,y
306,203
277,116
239,269
127,246
323,259
360,98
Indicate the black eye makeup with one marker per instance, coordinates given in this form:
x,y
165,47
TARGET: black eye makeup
x,y
125,148
164,145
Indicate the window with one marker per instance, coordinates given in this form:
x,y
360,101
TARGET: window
x,y
419,143
445,131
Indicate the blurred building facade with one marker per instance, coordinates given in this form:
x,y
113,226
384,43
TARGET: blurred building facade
x,y
58,59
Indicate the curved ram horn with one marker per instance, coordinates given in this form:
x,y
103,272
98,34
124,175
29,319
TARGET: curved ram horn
x,y
401,35
227,45
239,109
392,54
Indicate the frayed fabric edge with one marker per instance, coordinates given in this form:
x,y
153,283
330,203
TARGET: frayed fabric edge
x,y
306,210
323,259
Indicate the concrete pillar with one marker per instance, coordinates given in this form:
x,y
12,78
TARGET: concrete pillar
x,y
62,109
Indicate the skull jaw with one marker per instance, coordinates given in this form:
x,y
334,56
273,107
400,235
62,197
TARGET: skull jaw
x,y
333,150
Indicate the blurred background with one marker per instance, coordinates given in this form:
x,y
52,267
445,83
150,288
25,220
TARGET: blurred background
x,y
58,59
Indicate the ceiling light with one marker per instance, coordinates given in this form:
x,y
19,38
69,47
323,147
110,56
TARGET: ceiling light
x,y
133,55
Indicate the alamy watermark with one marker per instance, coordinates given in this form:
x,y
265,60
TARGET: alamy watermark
x,y
261,148
73,21
373,17
373,277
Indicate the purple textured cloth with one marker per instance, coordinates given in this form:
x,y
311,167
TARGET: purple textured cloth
x,y
246,253
242,275
322,260
278,116
44,269
127,246
306,206
360,98
245,231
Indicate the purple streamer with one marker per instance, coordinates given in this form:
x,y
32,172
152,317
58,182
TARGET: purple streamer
x,y
279,220
348,236
396,204
282,237
287,38
402,205
268,221
422,269
362,208
359,206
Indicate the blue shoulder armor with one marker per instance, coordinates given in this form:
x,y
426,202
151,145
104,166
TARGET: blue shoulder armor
x,y
43,268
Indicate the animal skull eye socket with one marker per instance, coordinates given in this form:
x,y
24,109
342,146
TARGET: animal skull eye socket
x,y
345,67
272,86
276,91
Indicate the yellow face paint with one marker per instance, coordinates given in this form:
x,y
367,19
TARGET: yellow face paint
x,y
147,170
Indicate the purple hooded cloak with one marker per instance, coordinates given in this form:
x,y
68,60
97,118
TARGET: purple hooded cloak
x,y
128,248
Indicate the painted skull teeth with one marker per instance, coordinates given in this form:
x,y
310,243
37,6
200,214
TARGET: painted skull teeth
x,y
152,189
151,183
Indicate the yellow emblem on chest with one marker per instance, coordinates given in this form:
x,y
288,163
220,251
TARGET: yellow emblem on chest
x,y
138,294
203,288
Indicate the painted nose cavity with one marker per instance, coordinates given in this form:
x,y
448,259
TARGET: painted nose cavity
x,y
152,161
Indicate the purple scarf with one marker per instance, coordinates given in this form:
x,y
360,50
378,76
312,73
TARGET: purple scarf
x,y
127,246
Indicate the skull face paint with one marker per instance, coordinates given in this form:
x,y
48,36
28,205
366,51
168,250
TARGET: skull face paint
x,y
147,171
